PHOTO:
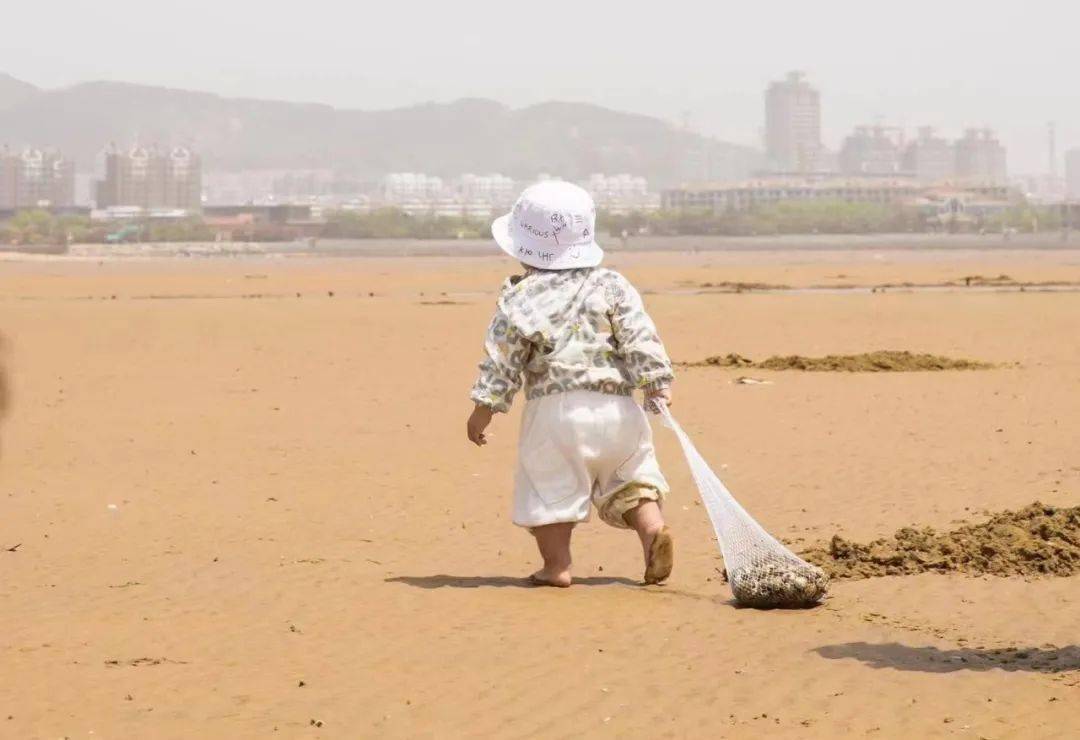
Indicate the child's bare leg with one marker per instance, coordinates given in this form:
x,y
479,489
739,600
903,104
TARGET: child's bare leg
x,y
647,520
554,543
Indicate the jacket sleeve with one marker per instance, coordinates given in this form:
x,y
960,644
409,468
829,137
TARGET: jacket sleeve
x,y
506,354
644,354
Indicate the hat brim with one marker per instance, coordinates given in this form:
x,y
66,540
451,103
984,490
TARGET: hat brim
x,y
580,255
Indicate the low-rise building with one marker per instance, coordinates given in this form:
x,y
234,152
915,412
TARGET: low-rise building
x,y
722,197
621,193
402,187
260,214
956,207
263,222
1072,174
450,206
494,189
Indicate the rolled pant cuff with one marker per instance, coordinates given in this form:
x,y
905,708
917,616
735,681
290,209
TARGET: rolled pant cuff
x,y
626,499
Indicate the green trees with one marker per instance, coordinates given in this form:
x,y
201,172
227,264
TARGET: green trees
x,y
831,217
32,227
1026,218
39,227
790,217
191,229
29,228
391,223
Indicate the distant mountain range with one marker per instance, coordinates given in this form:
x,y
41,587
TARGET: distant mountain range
x,y
470,135
13,92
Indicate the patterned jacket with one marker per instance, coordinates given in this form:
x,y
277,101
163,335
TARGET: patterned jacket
x,y
557,331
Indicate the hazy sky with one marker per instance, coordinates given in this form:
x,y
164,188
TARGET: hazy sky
x,y
949,63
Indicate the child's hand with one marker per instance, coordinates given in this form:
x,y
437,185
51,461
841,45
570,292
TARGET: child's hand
x,y
478,422
661,395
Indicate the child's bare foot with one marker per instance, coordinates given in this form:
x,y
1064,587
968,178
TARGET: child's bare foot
x,y
553,540
558,579
656,543
661,557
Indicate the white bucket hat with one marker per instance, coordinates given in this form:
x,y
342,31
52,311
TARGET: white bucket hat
x,y
552,226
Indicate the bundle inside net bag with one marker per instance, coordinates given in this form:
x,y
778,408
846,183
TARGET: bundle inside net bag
x,y
761,571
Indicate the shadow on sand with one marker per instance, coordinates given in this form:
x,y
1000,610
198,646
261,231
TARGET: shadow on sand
x,y
445,581
1046,659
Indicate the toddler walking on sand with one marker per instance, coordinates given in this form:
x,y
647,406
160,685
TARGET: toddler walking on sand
x,y
577,337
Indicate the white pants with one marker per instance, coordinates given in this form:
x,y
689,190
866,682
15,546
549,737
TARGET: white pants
x,y
580,446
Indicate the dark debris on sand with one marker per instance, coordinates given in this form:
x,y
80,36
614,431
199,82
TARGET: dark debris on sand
x,y
1037,540
865,362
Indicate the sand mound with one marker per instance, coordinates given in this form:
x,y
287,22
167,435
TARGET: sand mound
x,y
729,360
866,362
1035,540
741,286
870,362
1002,279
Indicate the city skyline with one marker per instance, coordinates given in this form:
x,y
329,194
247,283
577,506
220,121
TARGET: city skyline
x,y
1007,69
1034,147
791,100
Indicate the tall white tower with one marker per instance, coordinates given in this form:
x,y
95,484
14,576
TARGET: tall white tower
x,y
793,125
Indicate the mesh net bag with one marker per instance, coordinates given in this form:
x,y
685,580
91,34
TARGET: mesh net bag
x,y
761,571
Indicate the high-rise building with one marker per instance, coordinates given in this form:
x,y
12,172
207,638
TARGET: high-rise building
x,y
980,157
9,174
149,178
930,158
1051,150
793,125
1072,174
36,178
183,179
871,150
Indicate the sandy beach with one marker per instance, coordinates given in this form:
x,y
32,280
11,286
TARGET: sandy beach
x,y
237,501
